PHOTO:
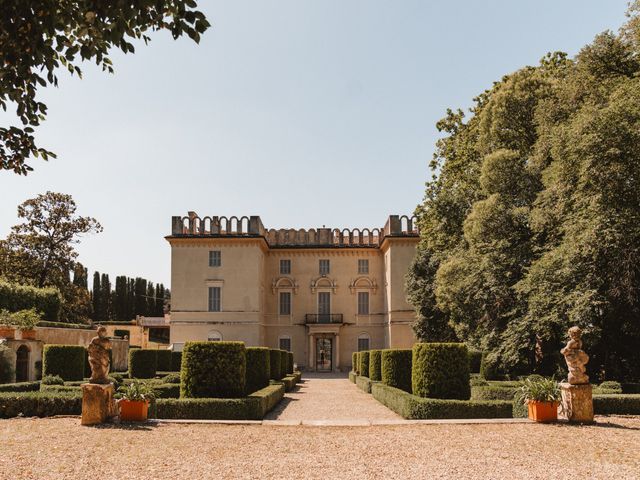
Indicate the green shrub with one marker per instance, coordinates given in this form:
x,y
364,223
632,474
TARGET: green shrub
x,y
352,376
354,362
143,363
60,388
478,382
14,297
616,404
284,363
520,409
164,361
611,387
166,390
363,383
364,363
418,408
40,404
258,369
493,393
375,365
213,369
66,361
396,368
20,387
275,367
475,360
77,326
176,361
253,407
440,370
6,370
52,380
171,378
488,368
629,387
290,363
357,366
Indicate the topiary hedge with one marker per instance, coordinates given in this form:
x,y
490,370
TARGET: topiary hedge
x,y
14,297
363,383
616,404
40,404
258,369
163,361
488,368
440,370
290,363
284,363
275,361
475,360
492,393
67,361
176,361
364,363
354,362
143,363
213,369
20,387
375,365
396,368
357,367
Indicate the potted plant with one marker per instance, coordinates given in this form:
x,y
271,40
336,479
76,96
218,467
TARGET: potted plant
x,y
542,397
134,401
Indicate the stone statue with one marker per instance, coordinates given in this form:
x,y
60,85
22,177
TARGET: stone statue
x,y
99,357
576,358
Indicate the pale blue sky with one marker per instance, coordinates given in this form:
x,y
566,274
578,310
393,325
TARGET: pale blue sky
x,y
303,112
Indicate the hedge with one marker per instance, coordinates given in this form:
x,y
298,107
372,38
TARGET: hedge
x,y
352,376
40,404
14,297
67,361
354,362
620,404
176,361
213,369
488,369
258,369
290,363
418,408
475,360
375,365
357,365
275,361
253,407
77,326
20,387
363,383
493,393
440,370
284,363
143,363
164,360
166,390
364,363
396,368
289,382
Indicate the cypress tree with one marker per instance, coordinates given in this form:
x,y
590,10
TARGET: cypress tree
x,y
95,296
131,301
151,300
140,293
105,296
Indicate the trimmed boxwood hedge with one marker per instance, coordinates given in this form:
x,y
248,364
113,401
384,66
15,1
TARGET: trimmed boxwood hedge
x,y
396,368
40,404
143,363
375,365
284,363
252,407
164,361
440,370
354,362
619,404
67,361
275,361
352,376
493,393
20,387
258,369
475,359
290,363
357,367
488,369
213,369
363,383
176,361
166,390
15,297
364,363
418,408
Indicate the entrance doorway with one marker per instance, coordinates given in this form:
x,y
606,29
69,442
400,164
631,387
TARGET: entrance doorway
x,y
324,354
22,364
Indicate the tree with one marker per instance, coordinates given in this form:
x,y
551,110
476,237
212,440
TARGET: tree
x,y
140,294
105,298
96,291
39,38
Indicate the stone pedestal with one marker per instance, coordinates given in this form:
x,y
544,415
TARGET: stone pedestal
x,y
577,402
98,404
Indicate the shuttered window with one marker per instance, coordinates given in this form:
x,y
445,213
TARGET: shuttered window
x,y
214,299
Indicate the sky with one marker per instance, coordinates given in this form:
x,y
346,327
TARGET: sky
x,y
307,113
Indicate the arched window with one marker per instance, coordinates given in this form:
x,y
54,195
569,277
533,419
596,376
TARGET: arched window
x,y
363,341
214,336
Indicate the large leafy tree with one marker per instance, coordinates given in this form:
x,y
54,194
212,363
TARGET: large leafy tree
x,y
38,38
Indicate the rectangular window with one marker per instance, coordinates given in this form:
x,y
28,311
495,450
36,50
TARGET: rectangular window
x,y
324,267
215,258
285,344
363,303
214,299
363,267
285,303
285,267
363,344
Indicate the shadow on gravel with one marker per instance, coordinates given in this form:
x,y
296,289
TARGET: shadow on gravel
x,y
277,411
125,426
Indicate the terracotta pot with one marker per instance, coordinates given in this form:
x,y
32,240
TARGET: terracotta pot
x,y
28,334
133,410
543,411
7,331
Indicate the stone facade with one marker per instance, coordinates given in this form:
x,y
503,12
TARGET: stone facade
x,y
322,293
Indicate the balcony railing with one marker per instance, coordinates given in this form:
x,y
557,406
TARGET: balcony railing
x,y
323,318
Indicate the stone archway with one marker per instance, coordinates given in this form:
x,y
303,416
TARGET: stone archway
x,y
22,364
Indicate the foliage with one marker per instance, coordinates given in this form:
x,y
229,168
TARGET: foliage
x,y
136,392
20,387
42,38
440,370
164,360
354,362
23,319
364,363
275,367
529,224
15,297
40,404
258,369
490,392
171,378
52,380
290,363
395,365
616,404
6,371
213,369
143,362
176,361
67,361
475,361
363,383
538,390
609,387
488,367
284,363
375,365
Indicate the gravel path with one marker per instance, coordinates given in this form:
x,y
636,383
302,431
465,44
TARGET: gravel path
x,y
329,397
59,448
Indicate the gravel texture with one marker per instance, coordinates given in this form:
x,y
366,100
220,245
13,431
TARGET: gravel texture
x,y
329,396
59,448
